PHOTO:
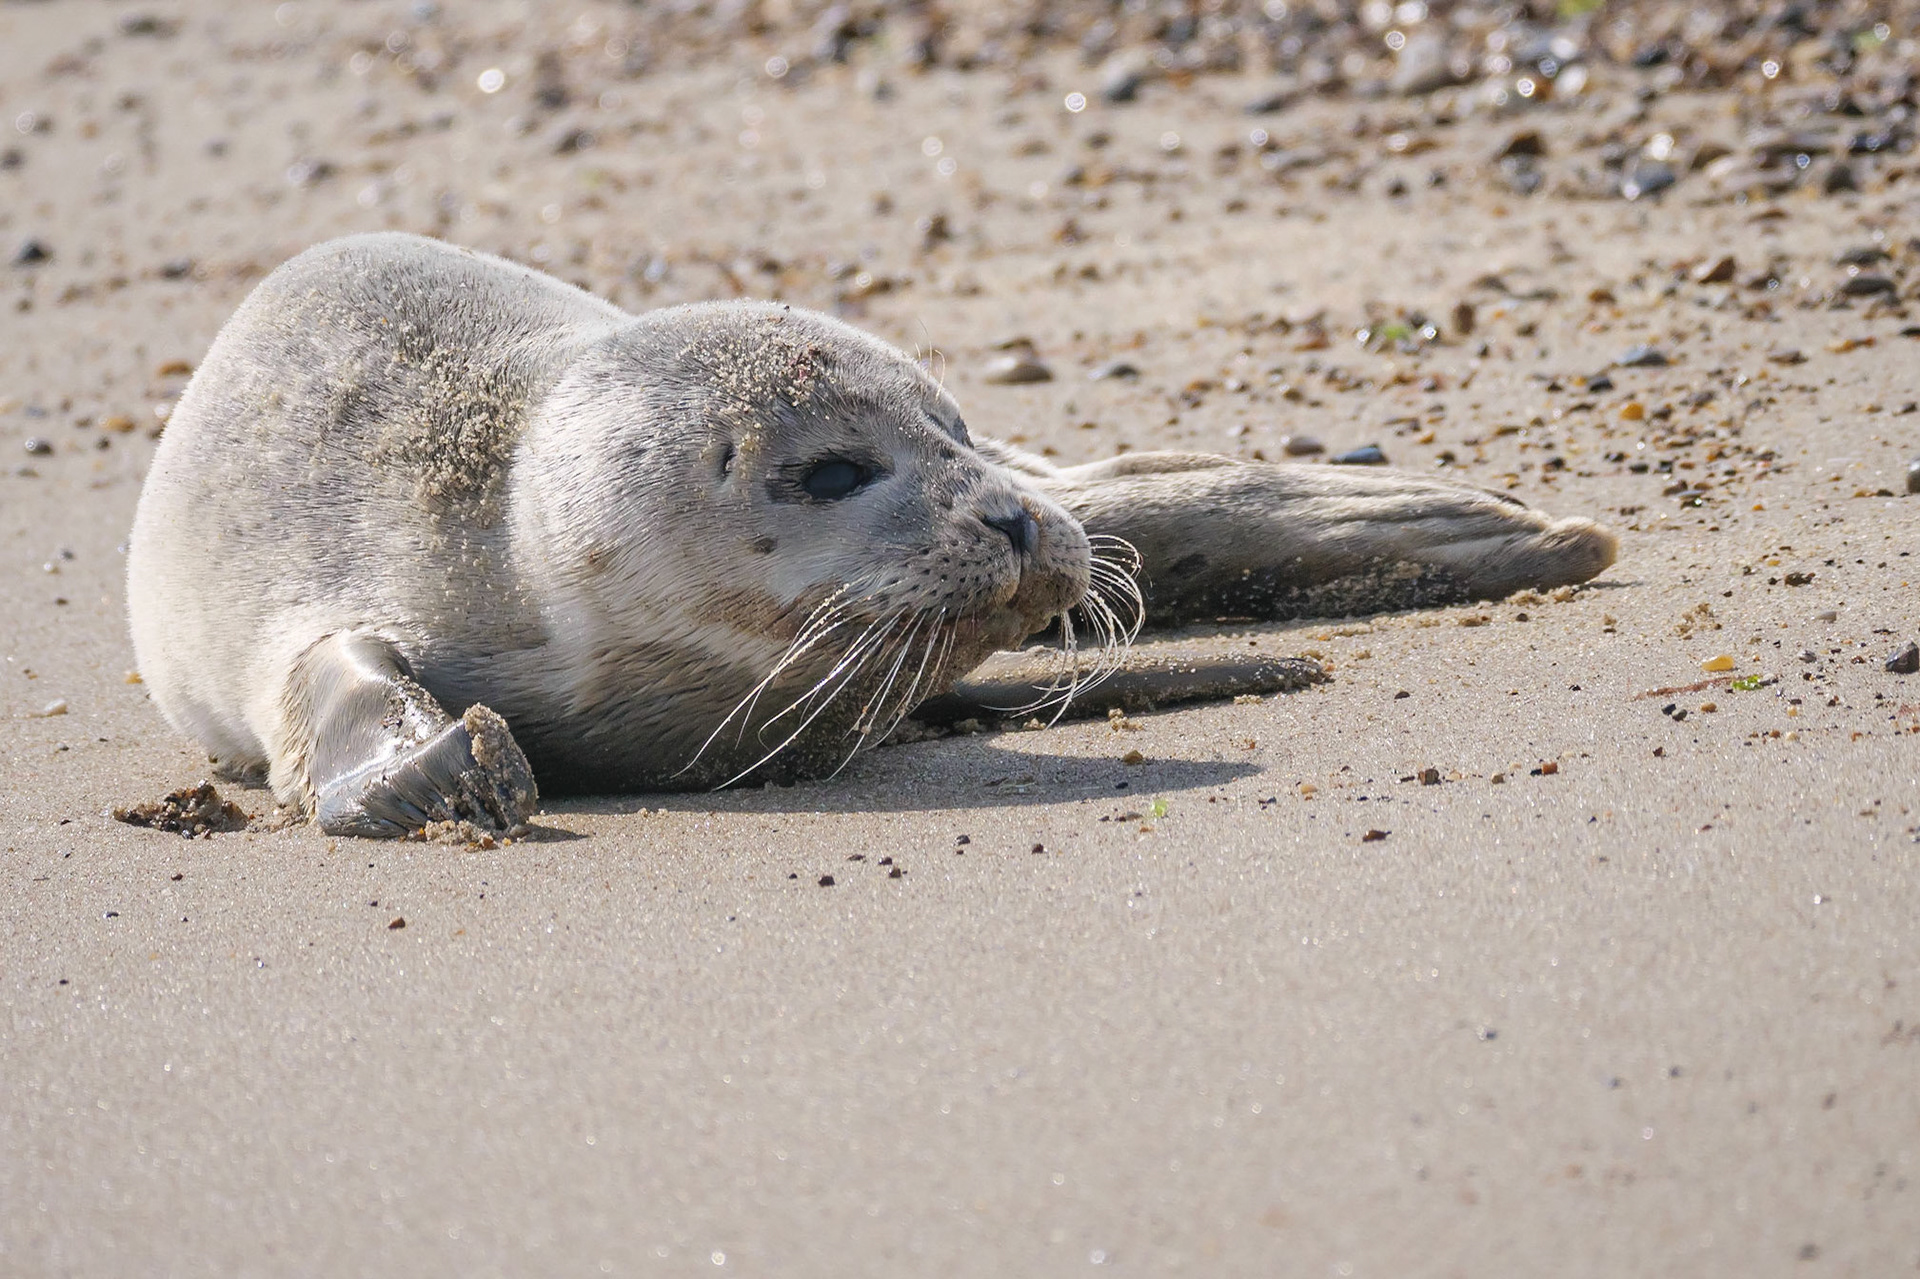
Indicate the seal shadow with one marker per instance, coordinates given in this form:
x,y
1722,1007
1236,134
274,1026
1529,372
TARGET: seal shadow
x,y
915,778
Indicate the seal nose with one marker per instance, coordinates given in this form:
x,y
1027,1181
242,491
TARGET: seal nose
x,y
1019,528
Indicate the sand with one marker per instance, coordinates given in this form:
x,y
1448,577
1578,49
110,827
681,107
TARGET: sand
x,y
1622,993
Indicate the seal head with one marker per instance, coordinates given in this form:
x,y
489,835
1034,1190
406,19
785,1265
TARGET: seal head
x,y
748,521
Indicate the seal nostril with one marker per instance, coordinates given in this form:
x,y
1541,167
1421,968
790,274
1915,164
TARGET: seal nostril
x,y
1019,528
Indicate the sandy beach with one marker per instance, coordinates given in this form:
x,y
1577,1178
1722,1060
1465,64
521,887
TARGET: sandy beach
x,y
1566,934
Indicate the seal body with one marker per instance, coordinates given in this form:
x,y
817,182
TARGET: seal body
x,y
427,524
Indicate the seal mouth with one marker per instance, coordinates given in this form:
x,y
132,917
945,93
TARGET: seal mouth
x,y
871,664
1110,612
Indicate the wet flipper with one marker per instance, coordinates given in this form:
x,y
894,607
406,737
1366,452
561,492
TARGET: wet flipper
x,y
378,756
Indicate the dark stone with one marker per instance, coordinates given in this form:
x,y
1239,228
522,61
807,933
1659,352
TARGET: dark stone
x,y
1866,286
1646,177
1863,255
147,24
1640,356
1906,661
1273,100
31,253
1365,455
1717,272
1525,143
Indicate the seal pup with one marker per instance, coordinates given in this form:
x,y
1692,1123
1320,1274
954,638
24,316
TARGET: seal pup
x,y
427,524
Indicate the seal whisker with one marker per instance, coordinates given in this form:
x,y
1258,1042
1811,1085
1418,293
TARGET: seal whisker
x,y
865,645
937,634
1115,640
863,730
1063,682
851,658
841,676
826,617
870,713
1112,586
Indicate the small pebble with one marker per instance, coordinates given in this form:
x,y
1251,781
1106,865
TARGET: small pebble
x,y
1366,455
1646,177
1014,370
1429,777
1913,476
1866,286
1718,272
1121,78
1112,368
1642,356
1718,662
1827,615
1307,445
58,706
1277,99
1426,63
1906,661
37,447
1527,142
31,253
147,24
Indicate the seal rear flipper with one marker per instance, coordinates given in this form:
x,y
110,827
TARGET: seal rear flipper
x,y
1221,537
372,753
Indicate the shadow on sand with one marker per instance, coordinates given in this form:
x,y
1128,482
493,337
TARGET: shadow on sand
x,y
910,779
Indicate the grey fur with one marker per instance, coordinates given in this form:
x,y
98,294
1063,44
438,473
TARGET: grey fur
x,y
412,486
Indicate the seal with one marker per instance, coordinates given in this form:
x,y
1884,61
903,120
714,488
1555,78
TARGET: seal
x,y
427,524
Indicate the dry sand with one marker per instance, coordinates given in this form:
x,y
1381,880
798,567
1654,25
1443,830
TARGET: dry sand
x,y
1622,994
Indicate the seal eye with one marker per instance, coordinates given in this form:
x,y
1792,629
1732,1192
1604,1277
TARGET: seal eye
x,y
833,479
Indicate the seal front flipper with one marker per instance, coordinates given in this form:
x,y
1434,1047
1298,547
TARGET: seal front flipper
x,y
372,753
